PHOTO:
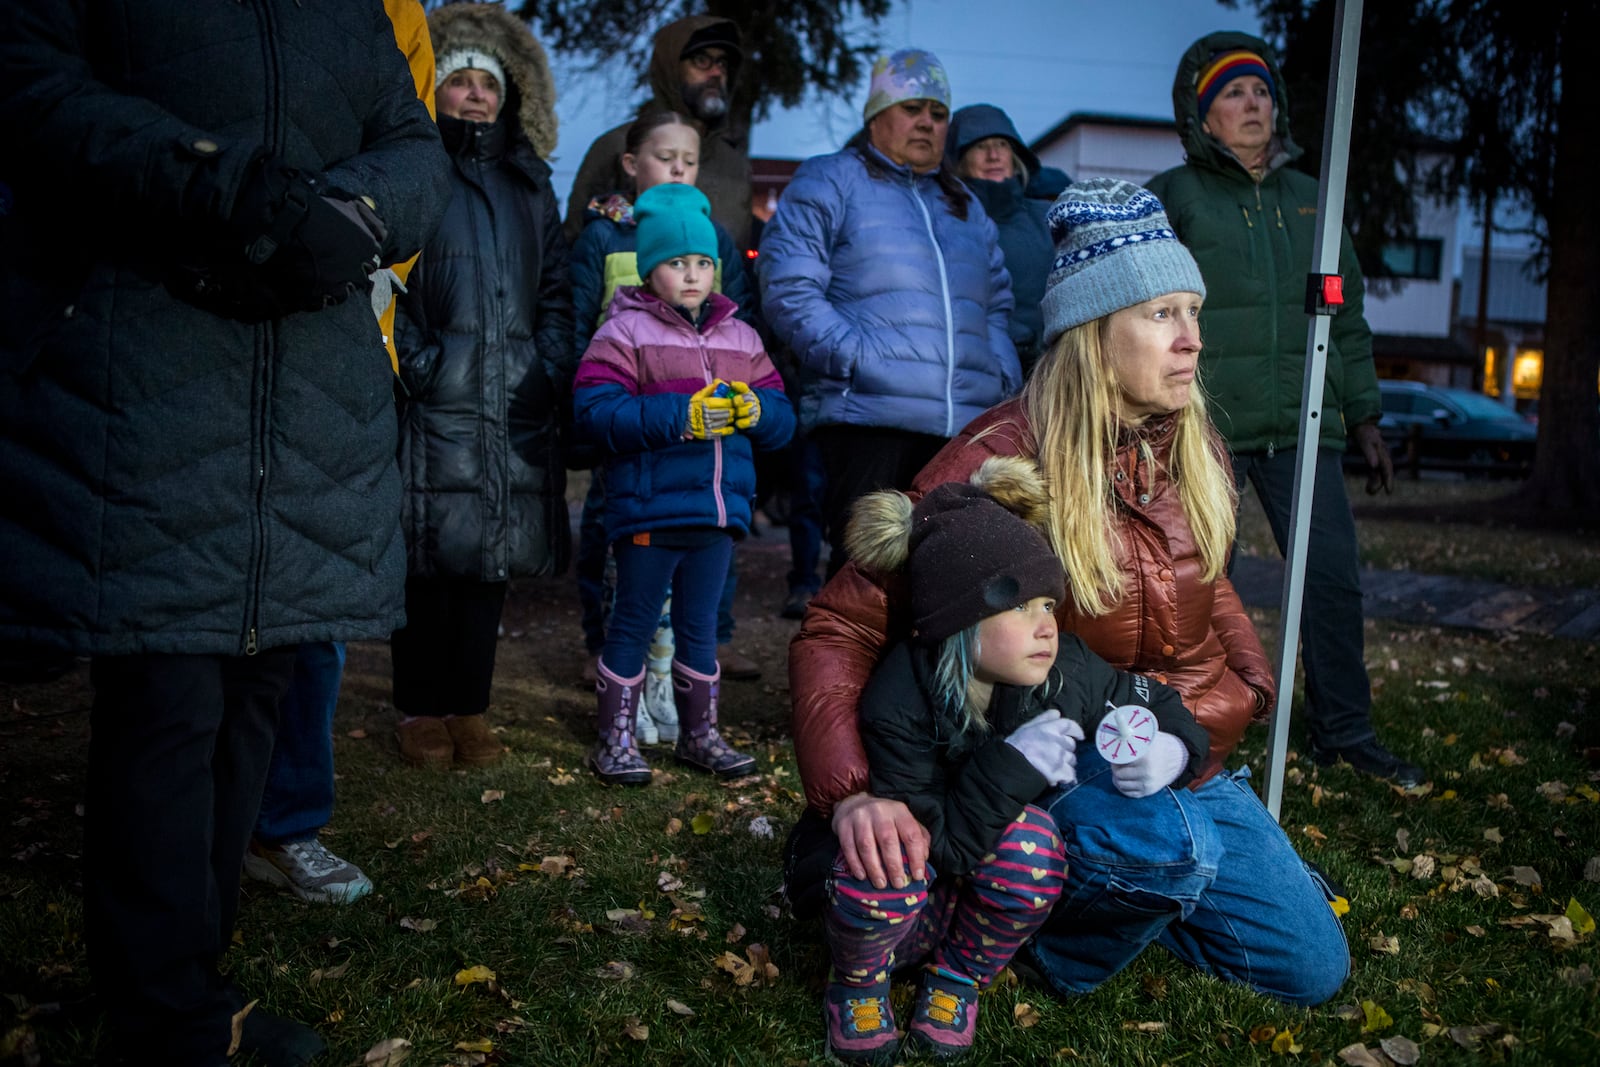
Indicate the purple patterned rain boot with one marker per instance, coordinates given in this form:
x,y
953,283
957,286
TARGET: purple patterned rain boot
x,y
616,758
699,743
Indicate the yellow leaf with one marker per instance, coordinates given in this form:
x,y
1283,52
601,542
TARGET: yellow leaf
x,y
474,975
1340,906
702,823
1263,1033
1448,794
1376,1017
1284,1044
483,1044
1582,921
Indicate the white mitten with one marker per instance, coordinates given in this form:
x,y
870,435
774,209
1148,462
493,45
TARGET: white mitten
x,y
1050,743
1153,771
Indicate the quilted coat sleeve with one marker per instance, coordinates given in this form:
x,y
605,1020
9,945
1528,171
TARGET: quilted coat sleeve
x,y
796,250
1002,302
554,318
608,409
587,271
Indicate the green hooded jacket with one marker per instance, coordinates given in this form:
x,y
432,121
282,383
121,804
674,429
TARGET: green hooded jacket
x,y
1254,240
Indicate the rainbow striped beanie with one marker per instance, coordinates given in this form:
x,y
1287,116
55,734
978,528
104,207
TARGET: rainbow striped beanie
x,y
1225,67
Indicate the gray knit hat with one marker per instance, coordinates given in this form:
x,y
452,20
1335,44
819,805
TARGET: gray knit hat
x,y
1114,248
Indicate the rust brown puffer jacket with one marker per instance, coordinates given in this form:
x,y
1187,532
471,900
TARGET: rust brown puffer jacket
x,y
1171,625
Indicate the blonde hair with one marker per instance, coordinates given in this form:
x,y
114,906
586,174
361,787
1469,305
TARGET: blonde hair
x,y
1072,399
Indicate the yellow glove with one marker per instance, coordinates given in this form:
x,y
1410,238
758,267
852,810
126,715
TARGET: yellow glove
x,y
746,406
710,415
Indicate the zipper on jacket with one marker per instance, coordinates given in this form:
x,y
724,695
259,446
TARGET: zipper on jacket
x,y
949,317
716,442
265,335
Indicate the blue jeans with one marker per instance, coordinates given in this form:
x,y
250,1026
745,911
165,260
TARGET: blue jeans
x,y
1332,643
1207,873
298,801
645,575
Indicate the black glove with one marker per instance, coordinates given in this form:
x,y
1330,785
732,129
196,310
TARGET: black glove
x,y
317,245
291,243
1380,467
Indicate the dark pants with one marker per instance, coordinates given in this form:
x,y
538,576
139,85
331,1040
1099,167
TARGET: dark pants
x,y
808,480
444,655
298,801
595,595
645,575
1332,644
178,755
860,460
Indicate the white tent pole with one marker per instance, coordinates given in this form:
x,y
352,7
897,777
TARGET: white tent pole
x,y
1330,219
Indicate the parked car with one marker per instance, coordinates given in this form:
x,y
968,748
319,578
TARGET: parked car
x,y
1454,429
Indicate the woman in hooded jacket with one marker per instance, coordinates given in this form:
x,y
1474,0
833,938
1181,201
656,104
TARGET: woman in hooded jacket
x,y
484,334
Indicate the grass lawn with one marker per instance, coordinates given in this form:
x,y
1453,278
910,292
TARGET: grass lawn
x,y
645,926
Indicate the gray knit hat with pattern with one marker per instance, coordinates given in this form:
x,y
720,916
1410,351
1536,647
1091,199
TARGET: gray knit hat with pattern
x,y
1114,248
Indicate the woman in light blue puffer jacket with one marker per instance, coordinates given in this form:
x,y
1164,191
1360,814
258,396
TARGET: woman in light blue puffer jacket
x,y
883,275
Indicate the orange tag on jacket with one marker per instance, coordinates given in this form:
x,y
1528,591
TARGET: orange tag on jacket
x,y
642,539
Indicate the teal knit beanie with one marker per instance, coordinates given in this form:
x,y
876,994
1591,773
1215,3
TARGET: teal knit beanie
x,y
673,220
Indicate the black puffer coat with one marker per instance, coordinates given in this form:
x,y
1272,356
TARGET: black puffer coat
x,y
484,336
172,480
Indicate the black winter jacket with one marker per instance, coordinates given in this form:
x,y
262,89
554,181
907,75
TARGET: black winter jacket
x,y
173,480
484,335
967,787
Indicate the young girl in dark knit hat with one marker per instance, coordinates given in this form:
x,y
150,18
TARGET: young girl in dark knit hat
x,y
970,723
677,394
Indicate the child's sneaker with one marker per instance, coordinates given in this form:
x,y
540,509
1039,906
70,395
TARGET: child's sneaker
x,y
946,1019
860,1022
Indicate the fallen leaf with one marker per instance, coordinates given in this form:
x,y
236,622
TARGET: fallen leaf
x,y
1384,946
358,733
1358,1055
1376,1018
1423,866
492,795
1492,835
328,974
620,970
674,827
678,1007
391,1052
1285,1045
237,1026
1476,931
335,1016
1401,1050
1025,1015
702,823
761,826
1315,834
562,778
1469,1037
1149,1027
1402,838
668,882
421,926
1582,921
482,1044
632,1027
1525,876
735,934
1340,906
1263,1033
474,975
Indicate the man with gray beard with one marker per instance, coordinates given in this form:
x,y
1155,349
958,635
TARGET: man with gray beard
x,y
693,69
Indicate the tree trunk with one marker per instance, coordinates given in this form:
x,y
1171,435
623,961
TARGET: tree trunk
x,y
1566,474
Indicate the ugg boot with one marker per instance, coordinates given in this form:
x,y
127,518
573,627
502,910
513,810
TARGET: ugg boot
x,y
658,711
699,743
616,758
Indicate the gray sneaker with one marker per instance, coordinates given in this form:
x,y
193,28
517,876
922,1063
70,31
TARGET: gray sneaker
x,y
308,870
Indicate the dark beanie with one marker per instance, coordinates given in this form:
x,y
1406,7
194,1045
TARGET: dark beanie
x,y
971,558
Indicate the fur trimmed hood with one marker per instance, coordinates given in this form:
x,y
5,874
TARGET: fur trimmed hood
x,y
878,538
491,28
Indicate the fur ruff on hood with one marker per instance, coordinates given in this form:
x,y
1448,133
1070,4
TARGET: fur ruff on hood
x,y
878,538
491,28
